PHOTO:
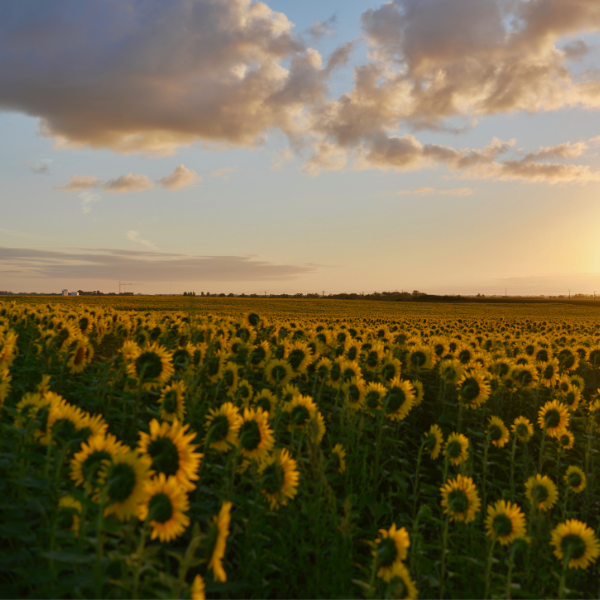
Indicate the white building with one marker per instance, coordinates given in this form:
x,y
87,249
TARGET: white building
x,y
65,292
73,293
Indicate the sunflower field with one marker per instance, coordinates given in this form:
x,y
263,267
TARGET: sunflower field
x,y
256,449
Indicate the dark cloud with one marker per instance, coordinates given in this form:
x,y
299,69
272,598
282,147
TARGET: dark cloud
x,y
322,28
143,266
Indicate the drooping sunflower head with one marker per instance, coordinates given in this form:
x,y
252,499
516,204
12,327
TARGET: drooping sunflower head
x,y
354,393
300,356
575,479
278,372
69,513
450,370
164,504
419,359
399,583
390,369
460,499
217,541
505,522
577,542
541,492
433,441
525,376
152,367
594,413
223,426
554,418
399,400
549,372
391,546
244,392
497,432
374,395
171,451
522,428
338,454
304,415
566,440
279,478
457,448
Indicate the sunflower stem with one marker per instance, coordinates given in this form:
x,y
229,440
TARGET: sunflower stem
x,y
541,458
512,467
485,465
416,481
563,575
511,564
443,565
488,568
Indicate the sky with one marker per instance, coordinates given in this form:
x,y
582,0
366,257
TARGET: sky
x,y
445,146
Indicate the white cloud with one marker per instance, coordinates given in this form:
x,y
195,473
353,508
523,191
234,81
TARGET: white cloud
x,y
127,183
223,171
87,198
423,191
134,236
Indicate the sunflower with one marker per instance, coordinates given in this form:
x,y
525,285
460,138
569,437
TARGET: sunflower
x,y
198,589
68,514
374,354
554,418
260,354
594,413
522,428
577,541
304,415
549,372
577,381
566,440
164,504
335,372
351,370
457,448
571,399
419,391
32,406
525,376
82,354
65,421
433,441
502,368
400,585
374,395
279,478
354,393
256,437
172,404
339,456
123,476
419,359
541,492
278,372
450,370
390,369
399,399
300,356
497,432
153,367
87,463
473,389
391,546
223,426
575,479
289,392
171,451
569,360
460,499
219,532
505,522
244,392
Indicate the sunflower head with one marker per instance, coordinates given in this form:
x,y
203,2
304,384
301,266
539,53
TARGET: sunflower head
x,y
338,454
497,432
279,478
460,499
223,426
541,492
473,389
505,522
391,546
457,448
575,479
522,428
399,583
255,436
432,443
554,418
576,542
217,541
68,515
399,400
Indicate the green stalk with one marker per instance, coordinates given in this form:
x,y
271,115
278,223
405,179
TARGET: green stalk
x,y
443,566
541,459
512,468
488,569
511,564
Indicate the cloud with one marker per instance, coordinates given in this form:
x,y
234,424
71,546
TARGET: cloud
x,y
87,198
40,168
223,171
576,49
423,191
181,177
153,76
134,236
127,183
80,182
145,265
567,151
322,28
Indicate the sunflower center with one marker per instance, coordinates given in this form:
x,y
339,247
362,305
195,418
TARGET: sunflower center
x,y
454,449
165,455
503,369
396,398
388,372
548,372
148,365
430,441
539,493
296,357
525,377
418,358
458,502
575,479
336,372
570,398
64,429
348,374
552,418
273,478
573,545
181,356
250,436
300,415
258,355
169,403
470,389
565,440
495,433
353,394
503,525
219,428
387,552
397,588
352,353
122,482
542,355
160,508
278,373
79,356
228,378
464,356
522,431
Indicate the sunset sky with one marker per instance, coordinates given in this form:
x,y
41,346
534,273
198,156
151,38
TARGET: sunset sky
x,y
449,146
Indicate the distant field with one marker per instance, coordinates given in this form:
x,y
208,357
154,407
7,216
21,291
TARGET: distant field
x,y
176,447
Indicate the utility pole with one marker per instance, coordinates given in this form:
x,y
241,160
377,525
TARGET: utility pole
x,y
569,294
